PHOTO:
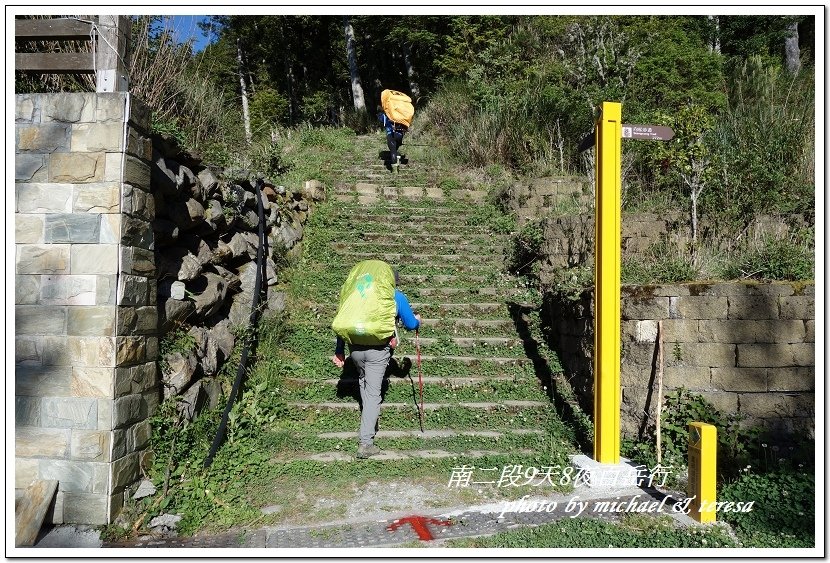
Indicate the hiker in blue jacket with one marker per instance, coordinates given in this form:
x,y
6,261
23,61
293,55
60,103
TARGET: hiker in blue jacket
x,y
394,134
371,363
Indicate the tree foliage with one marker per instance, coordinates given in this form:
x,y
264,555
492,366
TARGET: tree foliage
x,y
516,91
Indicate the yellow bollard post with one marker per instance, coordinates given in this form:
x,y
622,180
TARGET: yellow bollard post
x,y
703,452
607,229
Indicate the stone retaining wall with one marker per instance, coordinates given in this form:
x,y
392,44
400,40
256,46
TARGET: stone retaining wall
x,y
206,231
569,239
85,298
543,196
747,348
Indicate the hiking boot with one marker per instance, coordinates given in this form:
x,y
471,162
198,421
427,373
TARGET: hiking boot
x,y
364,452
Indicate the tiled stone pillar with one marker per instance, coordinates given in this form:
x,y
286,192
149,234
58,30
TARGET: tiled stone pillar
x,y
85,316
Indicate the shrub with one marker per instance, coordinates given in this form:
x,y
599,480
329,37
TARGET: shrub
x,y
738,443
765,142
493,218
268,108
181,92
504,132
527,248
663,262
179,341
776,258
360,122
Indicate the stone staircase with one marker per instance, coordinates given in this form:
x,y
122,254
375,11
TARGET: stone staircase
x,y
483,400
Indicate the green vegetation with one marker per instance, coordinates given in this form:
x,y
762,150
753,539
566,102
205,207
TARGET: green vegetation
x,y
785,501
633,531
512,94
527,249
493,217
787,258
175,341
738,443
663,262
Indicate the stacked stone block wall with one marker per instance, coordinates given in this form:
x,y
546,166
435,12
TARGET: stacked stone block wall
x,y
748,348
553,195
569,238
85,295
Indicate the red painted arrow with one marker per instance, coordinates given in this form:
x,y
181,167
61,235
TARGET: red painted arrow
x,y
419,524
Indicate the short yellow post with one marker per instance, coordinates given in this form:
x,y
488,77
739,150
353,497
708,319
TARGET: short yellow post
x,y
607,285
703,451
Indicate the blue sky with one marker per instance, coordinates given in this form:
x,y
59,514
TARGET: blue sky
x,y
186,27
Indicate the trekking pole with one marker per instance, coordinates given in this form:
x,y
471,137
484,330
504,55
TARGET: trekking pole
x,y
420,379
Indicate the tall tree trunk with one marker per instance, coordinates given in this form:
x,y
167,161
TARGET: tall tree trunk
x,y
792,53
694,197
714,46
246,116
351,53
293,105
290,82
410,71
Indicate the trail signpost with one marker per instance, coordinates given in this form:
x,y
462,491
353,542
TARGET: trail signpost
x,y
607,137
647,132
632,131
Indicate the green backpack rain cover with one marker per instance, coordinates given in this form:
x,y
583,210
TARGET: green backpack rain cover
x,y
366,313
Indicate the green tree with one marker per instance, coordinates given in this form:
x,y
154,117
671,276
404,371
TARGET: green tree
x,y
467,38
765,140
676,66
268,109
689,155
763,35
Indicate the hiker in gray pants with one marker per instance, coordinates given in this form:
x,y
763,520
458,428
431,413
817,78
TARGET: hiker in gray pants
x,y
371,362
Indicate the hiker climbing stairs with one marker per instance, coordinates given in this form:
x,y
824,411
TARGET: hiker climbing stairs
x,y
483,399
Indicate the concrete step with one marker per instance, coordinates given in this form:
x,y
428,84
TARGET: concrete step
x,y
378,189
460,261
484,311
359,199
444,279
366,196
468,322
429,434
468,342
402,173
432,328
401,389
393,455
471,360
409,227
396,208
410,283
419,237
425,220
458,292
481,252
448,381
353,406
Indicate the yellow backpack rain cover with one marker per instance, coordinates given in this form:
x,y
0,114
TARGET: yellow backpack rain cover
x,y
397,106
366,313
